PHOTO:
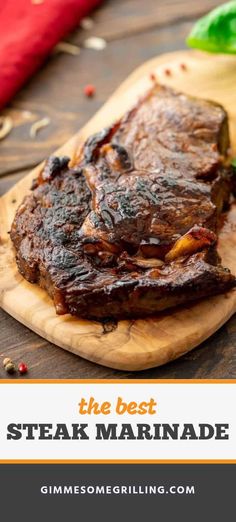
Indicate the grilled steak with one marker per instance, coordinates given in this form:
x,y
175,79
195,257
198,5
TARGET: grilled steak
x,y
132,228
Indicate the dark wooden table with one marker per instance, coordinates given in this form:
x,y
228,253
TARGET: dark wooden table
x,y
135,31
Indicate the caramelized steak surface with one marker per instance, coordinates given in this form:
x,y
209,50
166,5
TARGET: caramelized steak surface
x,y
132,228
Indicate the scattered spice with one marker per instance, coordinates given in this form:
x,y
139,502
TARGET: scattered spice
x,y
89,90
86,23
153,77
66,47
38,125
6,125
167,72
6,361
94,42
22,367
10,367
183,66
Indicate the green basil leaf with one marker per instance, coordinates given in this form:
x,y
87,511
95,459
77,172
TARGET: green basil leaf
x,y
233,162
216,32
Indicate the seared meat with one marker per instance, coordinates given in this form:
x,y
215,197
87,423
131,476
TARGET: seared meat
x,y
132,229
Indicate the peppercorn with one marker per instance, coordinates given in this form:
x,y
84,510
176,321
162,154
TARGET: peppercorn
x,y
22,368
89,90
167,72
153,77
6,361
183,66
10,367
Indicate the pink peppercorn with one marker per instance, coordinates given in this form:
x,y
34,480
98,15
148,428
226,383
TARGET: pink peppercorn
x,y
22,368
89,90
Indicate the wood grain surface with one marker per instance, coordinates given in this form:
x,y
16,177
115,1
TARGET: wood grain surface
x,y
133,36
138,344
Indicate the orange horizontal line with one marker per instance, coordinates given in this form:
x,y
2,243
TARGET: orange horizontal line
x,y
115,461
118,381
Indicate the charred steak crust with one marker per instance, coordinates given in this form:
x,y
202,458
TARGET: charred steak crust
x,y
132,228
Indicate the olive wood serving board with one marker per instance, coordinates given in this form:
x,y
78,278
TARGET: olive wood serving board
x,y
136,344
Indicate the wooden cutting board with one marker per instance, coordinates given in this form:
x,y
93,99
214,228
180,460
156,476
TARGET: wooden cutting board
x,y
137,344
